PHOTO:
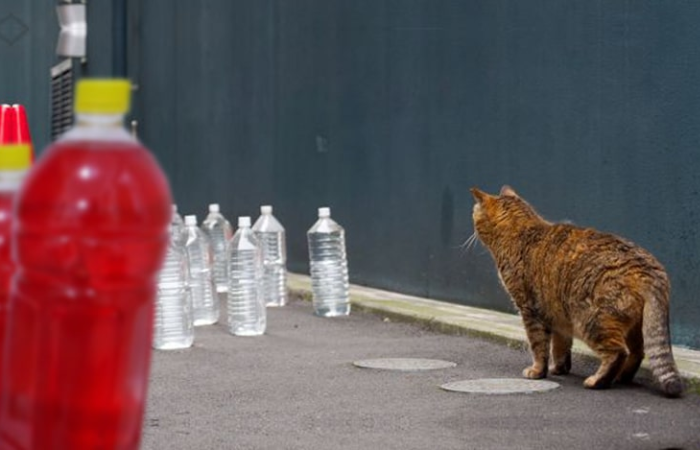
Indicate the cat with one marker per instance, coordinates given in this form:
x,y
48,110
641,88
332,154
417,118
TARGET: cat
x,y
572,282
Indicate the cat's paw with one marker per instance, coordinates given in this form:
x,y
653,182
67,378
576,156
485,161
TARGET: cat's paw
x,y
534,374
560,369
561,364
594,382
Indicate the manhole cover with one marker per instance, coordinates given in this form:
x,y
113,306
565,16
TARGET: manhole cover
x,y
500,386
404,364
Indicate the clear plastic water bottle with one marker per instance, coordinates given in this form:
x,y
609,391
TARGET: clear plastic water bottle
x,y
246,308
174,319
205,303
329,267
177,220
271,237
219,231
178,227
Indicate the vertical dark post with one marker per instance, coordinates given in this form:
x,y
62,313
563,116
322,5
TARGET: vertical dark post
x,y
119,23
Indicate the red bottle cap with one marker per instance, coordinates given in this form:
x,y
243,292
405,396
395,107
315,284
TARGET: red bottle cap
x,y
23,136
8,125
16,151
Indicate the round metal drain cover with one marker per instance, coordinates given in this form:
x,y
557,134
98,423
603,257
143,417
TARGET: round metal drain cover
x,y
404,364
500,386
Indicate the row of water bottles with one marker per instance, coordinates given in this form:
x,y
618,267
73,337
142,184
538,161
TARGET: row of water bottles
x,y
249,267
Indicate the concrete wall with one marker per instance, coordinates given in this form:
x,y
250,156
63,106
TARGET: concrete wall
x,y
389,110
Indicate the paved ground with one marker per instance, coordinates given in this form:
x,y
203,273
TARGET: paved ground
x,y
296,388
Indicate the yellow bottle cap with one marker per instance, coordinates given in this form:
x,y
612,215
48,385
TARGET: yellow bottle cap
x,y
102,96
15,156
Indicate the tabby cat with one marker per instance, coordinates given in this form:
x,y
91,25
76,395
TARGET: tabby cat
x,y
577,282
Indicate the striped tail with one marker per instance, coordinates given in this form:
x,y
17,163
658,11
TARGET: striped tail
x,y
657,345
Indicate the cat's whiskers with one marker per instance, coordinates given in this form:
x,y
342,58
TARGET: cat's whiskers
x,y
469,243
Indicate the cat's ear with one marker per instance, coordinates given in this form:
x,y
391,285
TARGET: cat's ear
x,y
479,196
508,191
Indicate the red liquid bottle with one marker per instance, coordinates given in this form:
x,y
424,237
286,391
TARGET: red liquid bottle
x,y
22,135
90,236
15,159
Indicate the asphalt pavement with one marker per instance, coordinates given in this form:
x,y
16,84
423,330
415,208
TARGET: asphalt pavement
x,y
296,388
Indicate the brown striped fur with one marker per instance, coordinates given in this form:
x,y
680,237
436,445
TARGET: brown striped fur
x,y
577,282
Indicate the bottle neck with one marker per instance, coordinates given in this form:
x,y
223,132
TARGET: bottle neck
x,y
98,127
10,180
99,120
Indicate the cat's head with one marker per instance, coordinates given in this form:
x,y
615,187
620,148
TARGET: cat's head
x,y
499,215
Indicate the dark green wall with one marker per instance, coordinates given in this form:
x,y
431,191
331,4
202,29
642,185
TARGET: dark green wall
x,y
389,110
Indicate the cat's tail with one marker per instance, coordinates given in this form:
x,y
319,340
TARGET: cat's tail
x,y
657,345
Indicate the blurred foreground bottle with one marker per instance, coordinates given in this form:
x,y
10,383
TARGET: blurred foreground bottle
x,y
14,127
90,237
329,266
15,159
271,237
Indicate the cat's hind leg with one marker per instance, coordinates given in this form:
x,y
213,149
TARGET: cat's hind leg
x,y
608,341
561,353
635,346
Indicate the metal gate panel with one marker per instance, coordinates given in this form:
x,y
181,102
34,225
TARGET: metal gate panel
x,y
61,97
